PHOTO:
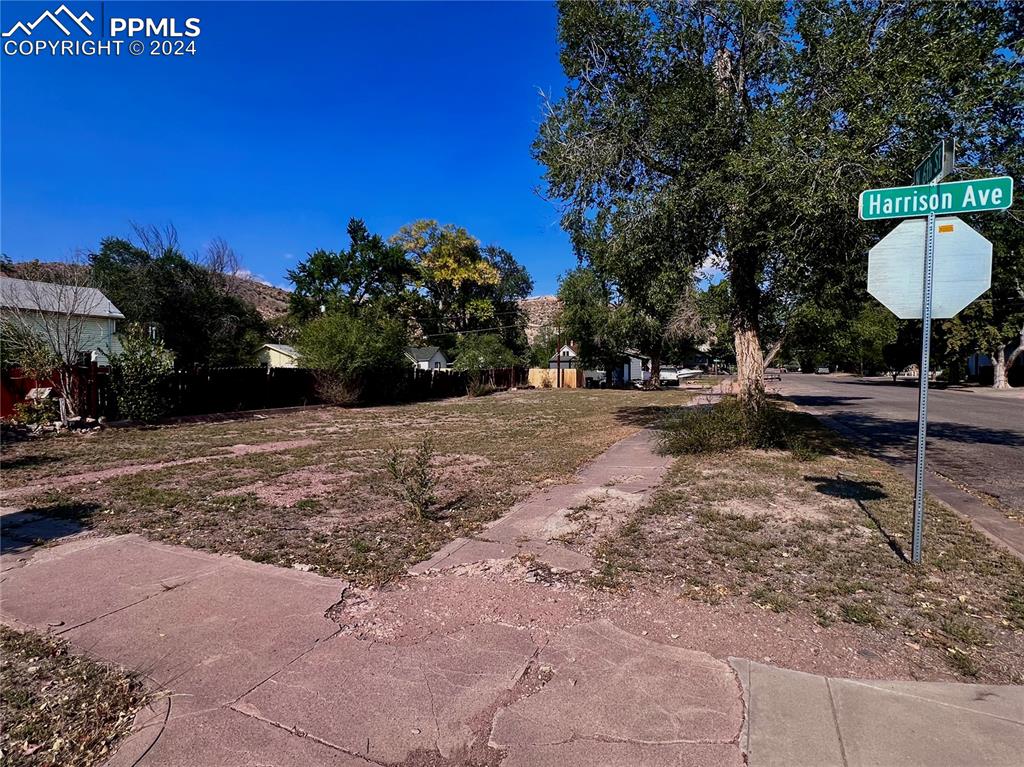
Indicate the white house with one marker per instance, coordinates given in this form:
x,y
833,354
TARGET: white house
x,y
279,356
564,357
427,357
66,315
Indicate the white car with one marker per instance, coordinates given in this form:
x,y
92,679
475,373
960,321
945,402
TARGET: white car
x,y
671,374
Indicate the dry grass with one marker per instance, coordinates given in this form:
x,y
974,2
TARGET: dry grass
x,y
58,708
828,537
328,504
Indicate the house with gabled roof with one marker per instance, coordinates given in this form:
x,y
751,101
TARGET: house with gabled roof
x,y
279,356
427,357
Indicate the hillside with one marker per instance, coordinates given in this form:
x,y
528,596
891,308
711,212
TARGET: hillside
x,y
270,301
541,312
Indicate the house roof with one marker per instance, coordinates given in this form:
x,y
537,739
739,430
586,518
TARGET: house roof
x,y
558,353
423,353
288,351
29,295
635,353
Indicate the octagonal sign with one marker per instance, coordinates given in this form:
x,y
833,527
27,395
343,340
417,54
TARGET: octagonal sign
x,y
963,268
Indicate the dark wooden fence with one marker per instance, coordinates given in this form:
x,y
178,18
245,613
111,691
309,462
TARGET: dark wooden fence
x,y
200,391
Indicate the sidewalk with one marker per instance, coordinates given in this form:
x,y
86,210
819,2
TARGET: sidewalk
x,y
805,719
271,666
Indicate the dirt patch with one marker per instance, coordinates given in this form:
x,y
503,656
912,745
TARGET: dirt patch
x,y
130,469
781,508
411,610
270,447
297,486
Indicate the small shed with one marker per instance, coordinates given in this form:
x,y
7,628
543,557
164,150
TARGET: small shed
x,y
279,356
427,357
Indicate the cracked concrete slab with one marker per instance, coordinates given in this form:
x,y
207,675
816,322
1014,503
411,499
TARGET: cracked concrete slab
x,y
221,634
386,702
68,585
174,733
590,753
608,685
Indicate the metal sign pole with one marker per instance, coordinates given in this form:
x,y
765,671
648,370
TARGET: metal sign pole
x,y
922,407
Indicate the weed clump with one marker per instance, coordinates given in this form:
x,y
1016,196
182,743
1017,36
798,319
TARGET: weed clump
x,y
730,425
412,479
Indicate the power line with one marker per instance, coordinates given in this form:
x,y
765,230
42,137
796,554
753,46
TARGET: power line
x,y
468,332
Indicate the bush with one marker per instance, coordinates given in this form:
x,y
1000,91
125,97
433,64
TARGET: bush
x,y
36,412
476,351
412,479
729,425
139,376
355,356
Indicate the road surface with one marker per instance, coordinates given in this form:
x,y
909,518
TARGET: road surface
x,y
975,436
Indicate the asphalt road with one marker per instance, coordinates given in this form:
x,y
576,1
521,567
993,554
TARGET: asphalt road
x,y
975,436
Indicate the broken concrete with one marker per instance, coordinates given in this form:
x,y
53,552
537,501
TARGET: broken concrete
x,y
609,686
385,702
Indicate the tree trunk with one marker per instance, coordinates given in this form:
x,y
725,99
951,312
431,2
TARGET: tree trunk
x,y
1000,379
749,367
1002,364
655,352
746,328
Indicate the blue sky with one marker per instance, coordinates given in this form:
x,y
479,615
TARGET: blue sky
x,y
290,119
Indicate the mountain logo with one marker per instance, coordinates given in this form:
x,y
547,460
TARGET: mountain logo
x,y
55,16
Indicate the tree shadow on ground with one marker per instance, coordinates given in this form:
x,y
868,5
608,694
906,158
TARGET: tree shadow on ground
x,y
29,461
648,415
822,400
856,490
39,525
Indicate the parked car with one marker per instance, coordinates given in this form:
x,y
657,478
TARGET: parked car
x,y
822,370
672,375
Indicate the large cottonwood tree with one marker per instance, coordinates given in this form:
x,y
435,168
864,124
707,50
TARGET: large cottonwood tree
x,y
748,128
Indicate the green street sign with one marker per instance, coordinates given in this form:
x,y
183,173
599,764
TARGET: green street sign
x,y
937,165
941,199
